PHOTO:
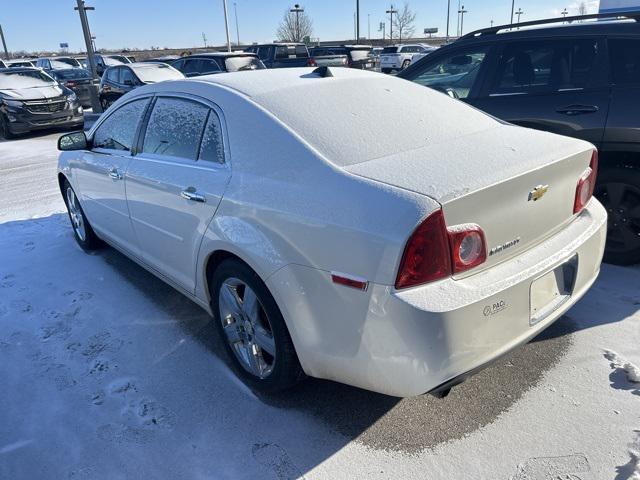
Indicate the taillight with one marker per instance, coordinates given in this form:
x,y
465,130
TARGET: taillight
x,y
312,62
586,184
434,252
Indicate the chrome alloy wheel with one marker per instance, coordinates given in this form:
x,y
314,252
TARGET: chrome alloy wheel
x,y
246,327
75,213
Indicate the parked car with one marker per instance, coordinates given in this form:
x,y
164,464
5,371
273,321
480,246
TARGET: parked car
x,y
217,62
2,64
327,57
283,55
77,79
57,63
31,100
416,57
358,56
164,59
398,57
105,61
580,79
121,79
20,62
396,253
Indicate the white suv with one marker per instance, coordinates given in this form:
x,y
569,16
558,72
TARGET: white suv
x,y
398,57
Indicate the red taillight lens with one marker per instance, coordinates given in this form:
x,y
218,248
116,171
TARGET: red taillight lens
x,y
433,252
586,184
426,256
312,62
468,247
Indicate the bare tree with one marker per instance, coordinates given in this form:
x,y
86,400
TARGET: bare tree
x,y
582,8
294,27
403,22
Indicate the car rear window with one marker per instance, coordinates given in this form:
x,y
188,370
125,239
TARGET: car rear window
x,y
360,54
157,73
68,74
237,64
625,61
389,50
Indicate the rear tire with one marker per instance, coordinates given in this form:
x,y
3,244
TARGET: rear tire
x,y
618,188
252,329
385,70
5,131
82,231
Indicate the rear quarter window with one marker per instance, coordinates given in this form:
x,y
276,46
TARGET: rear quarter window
x,y
624,55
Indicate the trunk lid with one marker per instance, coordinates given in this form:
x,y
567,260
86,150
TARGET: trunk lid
x,y
490,178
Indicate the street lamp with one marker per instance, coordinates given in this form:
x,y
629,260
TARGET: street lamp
x,y
462,11
564,13
357,20
297,9
4,44
226,24
448,17
381,28
235,8
519,12
82,11
391,11
513,6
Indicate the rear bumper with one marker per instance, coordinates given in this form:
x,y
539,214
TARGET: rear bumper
x,y
414,341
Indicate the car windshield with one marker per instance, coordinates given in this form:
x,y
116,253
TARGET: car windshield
x,y
112,62
26,79
236,64
75,73
360,54
157,73
389,50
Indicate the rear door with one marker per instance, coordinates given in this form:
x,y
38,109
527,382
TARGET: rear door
x,y
622,133
176,182
557,85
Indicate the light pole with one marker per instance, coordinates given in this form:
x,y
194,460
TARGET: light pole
x,y
564,13
369,26
391,11
381,28
82,11
357,20
513,6
519,12
235,9
448,18
462,11
4,44
492,23
297,10
458,21
226,24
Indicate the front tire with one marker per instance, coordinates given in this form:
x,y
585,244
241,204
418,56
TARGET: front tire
x,y
618,189
5,130
82,231
252,328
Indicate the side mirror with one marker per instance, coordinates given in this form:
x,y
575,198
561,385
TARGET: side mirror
x,y
73,141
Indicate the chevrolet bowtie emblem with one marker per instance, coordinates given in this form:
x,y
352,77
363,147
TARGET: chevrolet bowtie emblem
x,y
538,192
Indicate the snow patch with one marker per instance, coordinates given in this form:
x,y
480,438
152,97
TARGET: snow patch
x,y
632,371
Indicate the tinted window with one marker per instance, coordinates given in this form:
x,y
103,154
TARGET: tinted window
x,y
264,53
175,128
178,64
190,67
625,61
113,75
127,77
212,148
389,50
535,67
119,129
282,52
457,71
208,66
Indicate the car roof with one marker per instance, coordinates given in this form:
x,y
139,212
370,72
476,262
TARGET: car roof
x,y
221,54
22,69
601,27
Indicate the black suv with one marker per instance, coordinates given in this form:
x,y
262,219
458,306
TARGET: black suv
x,y
217,62
580,78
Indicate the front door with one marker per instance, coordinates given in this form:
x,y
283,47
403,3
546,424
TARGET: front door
x,y
100,175
175,184
558,86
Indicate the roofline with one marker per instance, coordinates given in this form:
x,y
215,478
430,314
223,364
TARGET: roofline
x,y
631,15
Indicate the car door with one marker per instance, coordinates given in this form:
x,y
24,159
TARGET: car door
x,y
455,71
175,183
557,85
622,134
100,173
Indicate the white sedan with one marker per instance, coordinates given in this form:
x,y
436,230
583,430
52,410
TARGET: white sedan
x,y
341,224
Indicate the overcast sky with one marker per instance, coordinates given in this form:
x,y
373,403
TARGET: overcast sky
x,y
43,24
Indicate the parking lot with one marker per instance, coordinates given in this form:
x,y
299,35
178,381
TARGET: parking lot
x,y
109,373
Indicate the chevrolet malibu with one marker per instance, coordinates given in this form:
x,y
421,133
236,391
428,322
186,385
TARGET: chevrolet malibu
x,y
397,245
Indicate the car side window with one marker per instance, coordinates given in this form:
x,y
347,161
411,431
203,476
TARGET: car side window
x,y
625,61
113,75
457,70
212,147
282,52
191,67
178,64
127,77
175,128
118,131
264,53
543,66
208,66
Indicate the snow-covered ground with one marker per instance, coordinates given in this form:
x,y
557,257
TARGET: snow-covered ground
x,y
107,373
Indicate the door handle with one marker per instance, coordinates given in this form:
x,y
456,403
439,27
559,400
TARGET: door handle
x,y
191,194
577,109
115,174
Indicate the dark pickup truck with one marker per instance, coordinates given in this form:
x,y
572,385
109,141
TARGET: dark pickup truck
x,y
283,55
